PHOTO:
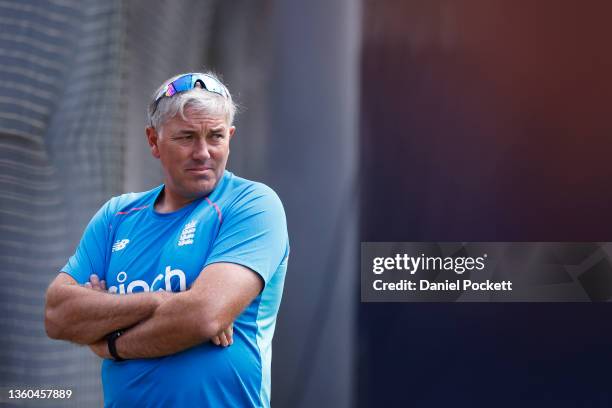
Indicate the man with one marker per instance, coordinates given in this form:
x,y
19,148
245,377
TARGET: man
x,y
182,262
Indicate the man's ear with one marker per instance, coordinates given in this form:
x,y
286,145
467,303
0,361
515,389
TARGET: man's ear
x,y
152,137
232,130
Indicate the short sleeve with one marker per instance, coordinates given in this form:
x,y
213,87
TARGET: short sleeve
x,y
90,255
253,233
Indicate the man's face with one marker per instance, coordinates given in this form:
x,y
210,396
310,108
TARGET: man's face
x,y
193,152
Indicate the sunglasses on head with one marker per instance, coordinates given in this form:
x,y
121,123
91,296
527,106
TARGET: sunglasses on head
x,y
189,81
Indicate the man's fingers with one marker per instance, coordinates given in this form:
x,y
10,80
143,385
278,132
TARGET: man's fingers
x,y
229,333
87,285
225,338
224,341
95,282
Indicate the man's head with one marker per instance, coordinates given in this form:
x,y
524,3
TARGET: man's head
x,y
191,118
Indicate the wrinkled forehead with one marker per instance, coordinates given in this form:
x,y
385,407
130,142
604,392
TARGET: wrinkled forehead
x,y
198,118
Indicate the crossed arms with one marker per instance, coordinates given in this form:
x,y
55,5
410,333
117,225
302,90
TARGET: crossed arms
x,y
159,323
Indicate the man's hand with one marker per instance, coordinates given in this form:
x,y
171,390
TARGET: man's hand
x,y
100,349
225,338
96,284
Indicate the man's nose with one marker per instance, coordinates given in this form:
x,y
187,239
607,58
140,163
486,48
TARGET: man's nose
x,y
200,149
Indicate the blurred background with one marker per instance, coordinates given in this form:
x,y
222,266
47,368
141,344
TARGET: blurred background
x,y
421,120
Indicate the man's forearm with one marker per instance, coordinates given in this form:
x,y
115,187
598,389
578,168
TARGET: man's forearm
x,y
84,316
217,297
176,325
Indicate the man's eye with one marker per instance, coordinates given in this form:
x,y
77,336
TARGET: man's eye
x,y
218,135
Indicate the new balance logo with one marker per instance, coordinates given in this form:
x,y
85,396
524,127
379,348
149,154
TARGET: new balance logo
x,y
119,245
187,234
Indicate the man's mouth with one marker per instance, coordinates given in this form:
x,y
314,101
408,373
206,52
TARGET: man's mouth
x,y
198,170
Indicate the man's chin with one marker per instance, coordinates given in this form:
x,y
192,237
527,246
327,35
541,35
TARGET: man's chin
x,y
202,188
197,187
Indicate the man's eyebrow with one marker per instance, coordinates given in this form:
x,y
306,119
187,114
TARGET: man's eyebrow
x,y
218,129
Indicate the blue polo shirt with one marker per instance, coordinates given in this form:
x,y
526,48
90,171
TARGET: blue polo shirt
x,y
136,249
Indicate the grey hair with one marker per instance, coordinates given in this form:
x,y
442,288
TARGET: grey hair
x,y
200,100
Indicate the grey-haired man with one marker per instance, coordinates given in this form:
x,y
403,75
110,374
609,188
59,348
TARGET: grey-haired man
x,y
203,251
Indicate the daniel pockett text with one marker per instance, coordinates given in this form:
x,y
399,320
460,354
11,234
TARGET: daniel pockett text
x,y
414,264
423,264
